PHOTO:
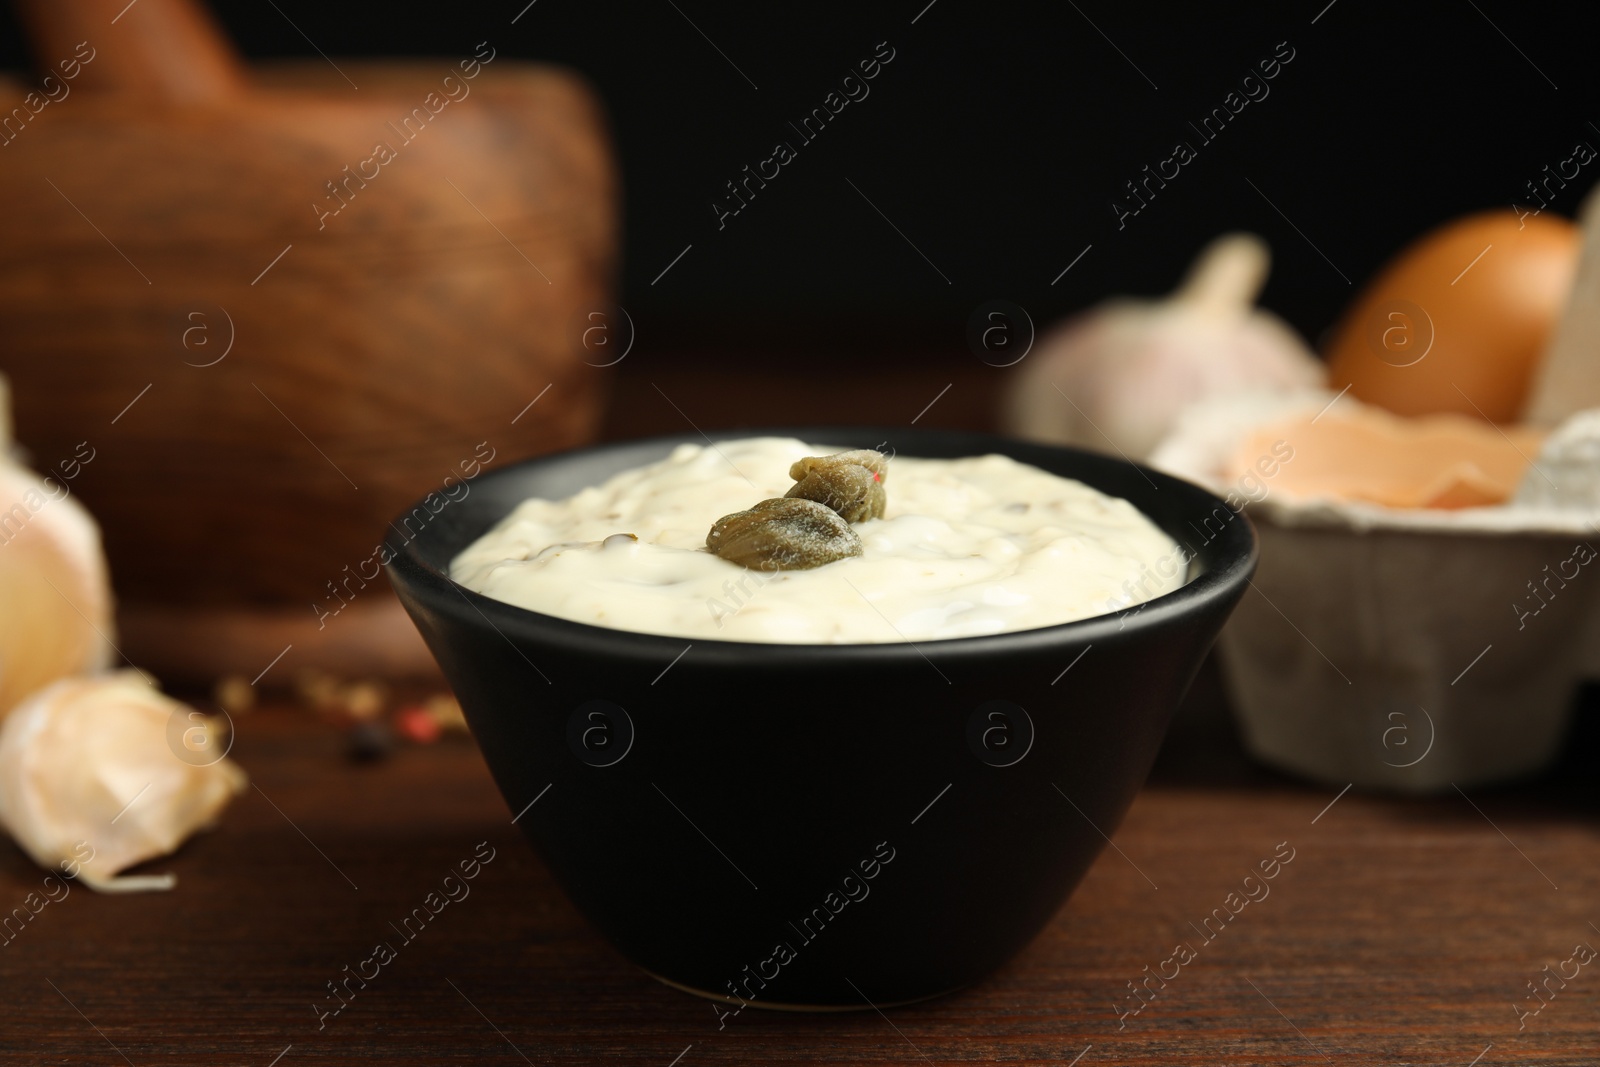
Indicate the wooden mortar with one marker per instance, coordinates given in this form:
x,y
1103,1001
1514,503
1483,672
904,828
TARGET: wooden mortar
x,y
172,205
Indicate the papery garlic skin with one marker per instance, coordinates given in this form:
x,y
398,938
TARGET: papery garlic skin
x,y
92,761
55,592
1115,379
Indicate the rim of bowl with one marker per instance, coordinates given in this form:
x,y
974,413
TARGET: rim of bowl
x,y
1230,559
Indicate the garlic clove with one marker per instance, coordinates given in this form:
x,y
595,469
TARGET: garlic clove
x,y
100,774
55,594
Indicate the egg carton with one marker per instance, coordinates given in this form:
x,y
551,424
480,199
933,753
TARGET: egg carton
x,y
1401,650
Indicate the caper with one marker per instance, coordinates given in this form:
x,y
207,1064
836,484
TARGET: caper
x,y
851,483
784,533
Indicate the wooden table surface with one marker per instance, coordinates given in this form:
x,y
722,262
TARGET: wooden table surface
x,y
1402,932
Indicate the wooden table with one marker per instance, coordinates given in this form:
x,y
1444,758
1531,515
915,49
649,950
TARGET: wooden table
x,y
1403,932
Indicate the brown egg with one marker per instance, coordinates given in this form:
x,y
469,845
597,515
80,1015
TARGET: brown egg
x,y
1458,320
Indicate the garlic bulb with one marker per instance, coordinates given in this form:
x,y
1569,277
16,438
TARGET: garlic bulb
x,y
110,769
1115,379
55,595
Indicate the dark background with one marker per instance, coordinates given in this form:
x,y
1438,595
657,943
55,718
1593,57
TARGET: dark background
x,y
997,139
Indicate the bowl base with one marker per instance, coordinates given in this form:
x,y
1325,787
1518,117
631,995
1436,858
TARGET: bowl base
x,y
774,1005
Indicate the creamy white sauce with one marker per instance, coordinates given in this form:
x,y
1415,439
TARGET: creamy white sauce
x,y
981,545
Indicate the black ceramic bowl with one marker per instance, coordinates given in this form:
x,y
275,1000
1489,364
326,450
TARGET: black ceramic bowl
x,y
819,825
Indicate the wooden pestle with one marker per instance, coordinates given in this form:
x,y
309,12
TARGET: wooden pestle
x,y
174,50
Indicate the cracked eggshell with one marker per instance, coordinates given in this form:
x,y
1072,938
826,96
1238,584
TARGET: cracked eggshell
x,y
109,767
1567,472
1398,649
